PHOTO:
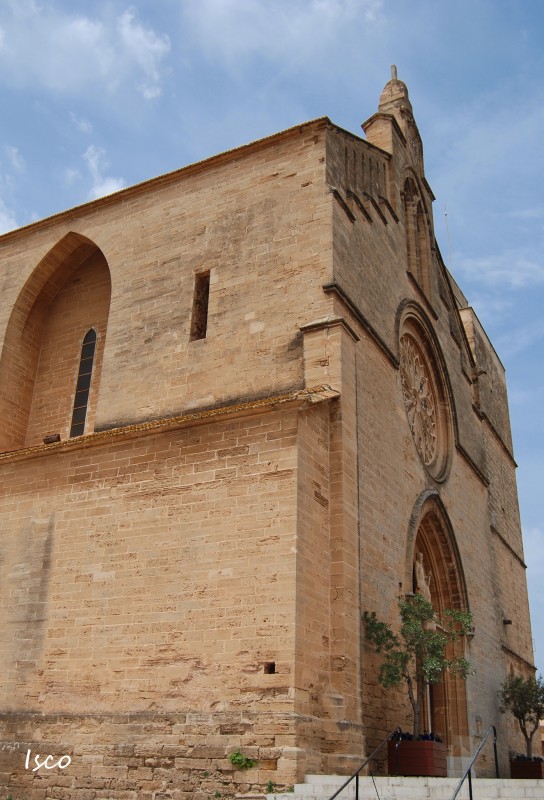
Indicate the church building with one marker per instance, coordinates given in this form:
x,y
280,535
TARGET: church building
x,y
240,405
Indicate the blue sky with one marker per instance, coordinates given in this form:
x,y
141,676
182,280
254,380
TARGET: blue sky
x,y
100,95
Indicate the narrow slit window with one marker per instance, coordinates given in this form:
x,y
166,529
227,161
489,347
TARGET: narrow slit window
x,y
81,399
199,319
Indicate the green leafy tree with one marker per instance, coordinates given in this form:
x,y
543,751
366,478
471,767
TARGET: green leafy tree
x,y
524,698
416,655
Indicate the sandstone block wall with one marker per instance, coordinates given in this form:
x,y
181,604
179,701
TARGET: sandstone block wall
x,y
373,286
146,579
257,221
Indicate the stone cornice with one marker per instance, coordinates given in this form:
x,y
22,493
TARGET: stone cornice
x,y
296,399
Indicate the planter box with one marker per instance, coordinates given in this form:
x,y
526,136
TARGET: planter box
x,y
417,758
519,768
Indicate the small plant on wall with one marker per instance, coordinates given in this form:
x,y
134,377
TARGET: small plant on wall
x,y
240,761
524,698
416,656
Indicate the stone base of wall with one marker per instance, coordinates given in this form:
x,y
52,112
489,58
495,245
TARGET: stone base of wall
x,y
143,756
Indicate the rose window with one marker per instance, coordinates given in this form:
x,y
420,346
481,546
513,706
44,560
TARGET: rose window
x,y
428,407
419,399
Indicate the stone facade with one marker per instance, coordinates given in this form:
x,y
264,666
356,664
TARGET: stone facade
x,y
289,398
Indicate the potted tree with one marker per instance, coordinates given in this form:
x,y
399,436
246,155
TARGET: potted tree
x,y
524,698
416,657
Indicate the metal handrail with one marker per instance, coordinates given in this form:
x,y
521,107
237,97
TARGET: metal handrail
x,y
363,765
468,771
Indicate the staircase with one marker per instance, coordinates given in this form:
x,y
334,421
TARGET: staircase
x,y
321,787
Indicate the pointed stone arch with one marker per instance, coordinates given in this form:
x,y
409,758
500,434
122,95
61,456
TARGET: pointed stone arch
x,y
430,523
67,293
418,235
431,534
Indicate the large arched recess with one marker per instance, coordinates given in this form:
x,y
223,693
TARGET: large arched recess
x,y
431,534
67,294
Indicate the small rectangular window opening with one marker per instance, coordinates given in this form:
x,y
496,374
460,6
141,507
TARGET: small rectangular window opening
x,y
199,319
270,668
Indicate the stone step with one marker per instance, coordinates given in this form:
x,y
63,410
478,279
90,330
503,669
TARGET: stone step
x,y
322,787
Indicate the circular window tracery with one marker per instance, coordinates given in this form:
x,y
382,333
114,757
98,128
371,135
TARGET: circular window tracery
x,y
419,399
425,399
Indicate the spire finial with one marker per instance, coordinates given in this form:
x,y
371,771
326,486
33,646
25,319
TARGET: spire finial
x,y
394,99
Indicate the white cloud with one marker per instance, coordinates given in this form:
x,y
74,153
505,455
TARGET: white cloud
x,y
71,175
146,49
95,159
514,269
15,158
64,52
477,169
7,215
7,220
518,339
80,123
105,187
490,306
273,29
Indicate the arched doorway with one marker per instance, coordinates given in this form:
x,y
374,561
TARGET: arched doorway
x,y
434,569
